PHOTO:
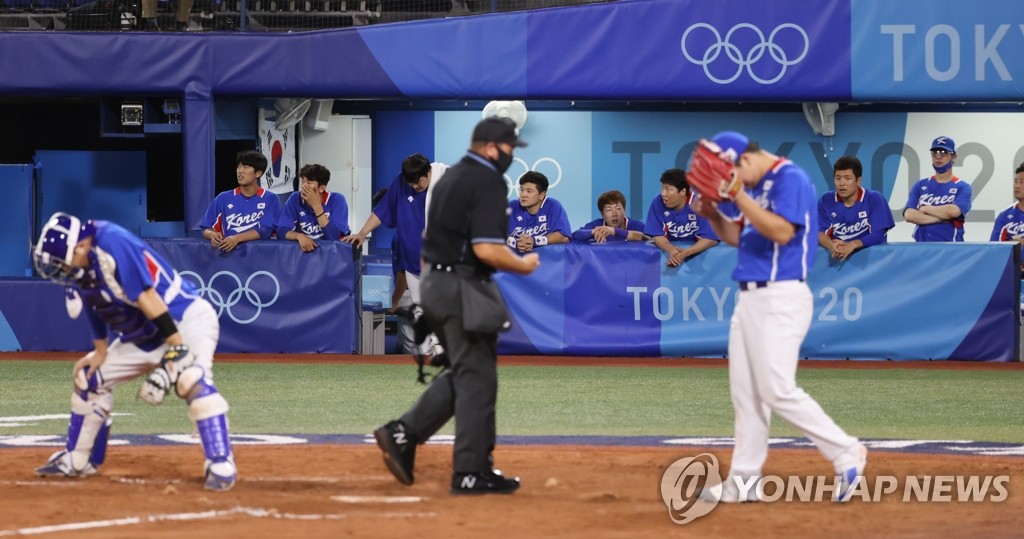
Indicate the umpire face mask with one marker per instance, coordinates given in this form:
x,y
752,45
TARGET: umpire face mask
x,y
504,160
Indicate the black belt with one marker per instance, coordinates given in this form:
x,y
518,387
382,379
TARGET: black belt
x,y
754,285
460,269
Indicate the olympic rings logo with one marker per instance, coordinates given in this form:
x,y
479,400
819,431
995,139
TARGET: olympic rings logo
x,y
752,57
553,179
233,298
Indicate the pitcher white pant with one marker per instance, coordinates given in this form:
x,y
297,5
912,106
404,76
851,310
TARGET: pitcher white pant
x,y
765,335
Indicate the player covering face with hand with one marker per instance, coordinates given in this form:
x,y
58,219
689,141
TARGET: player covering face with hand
x,y
144,318
765,206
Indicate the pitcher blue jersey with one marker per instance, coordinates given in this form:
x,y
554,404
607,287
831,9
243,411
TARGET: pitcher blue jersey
x,y
787,191
297,216
867,220
404,210
232,213
1009,225
550,218
929,192
586,232
121,267
678,225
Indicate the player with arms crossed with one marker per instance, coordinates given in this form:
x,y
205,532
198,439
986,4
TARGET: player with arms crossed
x,y
159,325
765,205
851,217
939,205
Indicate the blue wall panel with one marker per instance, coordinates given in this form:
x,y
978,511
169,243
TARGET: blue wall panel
x,y
16,202
93,185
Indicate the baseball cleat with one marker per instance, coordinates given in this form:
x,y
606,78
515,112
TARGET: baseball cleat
x,y
60,464
399,450
491,482
220,476
849,478
727,492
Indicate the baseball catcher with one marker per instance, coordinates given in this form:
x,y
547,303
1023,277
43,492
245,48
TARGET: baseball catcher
x,y
145,320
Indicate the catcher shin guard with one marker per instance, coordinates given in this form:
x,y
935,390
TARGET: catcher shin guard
x,y
208,409
88,432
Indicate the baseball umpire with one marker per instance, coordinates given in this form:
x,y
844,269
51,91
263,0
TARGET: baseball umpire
x,y
463,245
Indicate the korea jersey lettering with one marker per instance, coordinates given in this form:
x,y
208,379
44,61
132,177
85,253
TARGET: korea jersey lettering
x,y
1009,225
121,267
929,192
404,210
297,216
867,220
677,225
788,192
550,218
586,232
232,213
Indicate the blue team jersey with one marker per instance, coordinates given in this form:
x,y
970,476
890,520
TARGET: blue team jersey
x,y
122,267
929,192
867,220
297,216
586,232
232,213
404,210
1009,225
550,218
678,225
787,191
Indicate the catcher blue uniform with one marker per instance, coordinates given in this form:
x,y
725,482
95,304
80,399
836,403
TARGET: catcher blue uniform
x,y
118,278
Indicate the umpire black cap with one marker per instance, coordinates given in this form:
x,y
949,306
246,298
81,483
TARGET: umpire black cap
x,y
497,129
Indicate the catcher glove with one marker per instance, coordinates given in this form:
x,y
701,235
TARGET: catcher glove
x,y
712,174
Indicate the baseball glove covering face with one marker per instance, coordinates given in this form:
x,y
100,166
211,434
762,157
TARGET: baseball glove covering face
x,y
711,174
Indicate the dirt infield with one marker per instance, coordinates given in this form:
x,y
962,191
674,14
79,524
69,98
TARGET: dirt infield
x,y
568,491
560,361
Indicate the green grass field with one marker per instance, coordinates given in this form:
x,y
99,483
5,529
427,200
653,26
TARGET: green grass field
x,y
934,404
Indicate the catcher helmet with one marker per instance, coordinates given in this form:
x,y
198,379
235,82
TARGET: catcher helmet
x,y
53,253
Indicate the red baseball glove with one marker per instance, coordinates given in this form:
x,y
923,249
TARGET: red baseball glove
x,y
711,174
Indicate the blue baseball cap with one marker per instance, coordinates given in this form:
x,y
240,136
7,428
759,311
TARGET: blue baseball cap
x,y
732,144
944,143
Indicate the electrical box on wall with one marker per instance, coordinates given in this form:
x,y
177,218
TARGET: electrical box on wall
x,y
139,116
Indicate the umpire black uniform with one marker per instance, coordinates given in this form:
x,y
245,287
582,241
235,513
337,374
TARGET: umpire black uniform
x,y
464,244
